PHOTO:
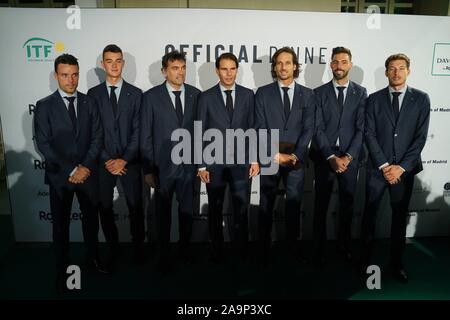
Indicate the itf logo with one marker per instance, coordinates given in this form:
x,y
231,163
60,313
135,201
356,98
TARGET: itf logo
x,y
40,49
441,60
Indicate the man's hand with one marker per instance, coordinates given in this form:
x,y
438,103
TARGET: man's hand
x,y
392,173
339,165
285,160
80,175
116,166
203,175
150,180
254,170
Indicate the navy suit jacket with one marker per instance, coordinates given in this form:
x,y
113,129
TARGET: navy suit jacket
x,y
298,129
158,121
349,127
397,142
121,133
62,147
213,114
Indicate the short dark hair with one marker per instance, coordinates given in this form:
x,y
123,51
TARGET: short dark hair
x,y
111,48
65,58
227,56
294,58
338,50
397,56
173,56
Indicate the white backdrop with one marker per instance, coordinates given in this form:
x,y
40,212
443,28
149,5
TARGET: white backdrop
x,y
32,38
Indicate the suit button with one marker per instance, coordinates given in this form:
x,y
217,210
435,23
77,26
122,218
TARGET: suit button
x,y
395,135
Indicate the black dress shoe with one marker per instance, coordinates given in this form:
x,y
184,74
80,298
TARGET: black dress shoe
x,y
345,253
163,266
61,283
319,261
400,275
97,266
139,255
216,257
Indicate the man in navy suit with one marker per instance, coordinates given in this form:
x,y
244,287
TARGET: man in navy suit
x,y
289,107
397,119
336,150
68,134
228,105
166,108
119,106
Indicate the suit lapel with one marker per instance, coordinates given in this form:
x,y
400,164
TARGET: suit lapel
x,y
408,101
106,102
331,93
168,105
221,108
62,109
277,97
350,98
81,111
388,104
124,99
295,109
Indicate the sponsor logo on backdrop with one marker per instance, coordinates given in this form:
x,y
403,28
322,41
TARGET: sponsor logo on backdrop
x,y
440,109
441,60
43,193
435,161
446,192
38,164
247,53
47,216
42,50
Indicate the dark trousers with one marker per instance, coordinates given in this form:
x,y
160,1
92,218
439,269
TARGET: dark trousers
x,y
293,181
400,195
323,185
132,187
61,208
237,179
182,187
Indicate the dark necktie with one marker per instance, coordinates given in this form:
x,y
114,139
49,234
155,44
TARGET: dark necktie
x,y
396,104
341,99
229,103
286,102
178,107
113,99
72,114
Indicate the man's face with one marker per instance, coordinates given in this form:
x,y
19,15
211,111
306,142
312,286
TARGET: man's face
x,y
67,77
113,63
285,67
175,72
340,65
227,72
397,72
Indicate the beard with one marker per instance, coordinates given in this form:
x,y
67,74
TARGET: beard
x,y
339,77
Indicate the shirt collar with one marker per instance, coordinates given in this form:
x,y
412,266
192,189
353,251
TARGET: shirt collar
x,y
63,94
335,84
170,89
117,85
222,88
402,90
291,86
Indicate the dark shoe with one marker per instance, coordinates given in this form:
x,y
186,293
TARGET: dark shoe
x,y
345,253
319,261
96,266
163,266
61,283
400,275
216,257
139,255
185,256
